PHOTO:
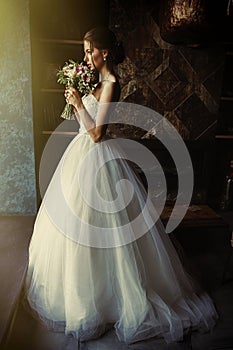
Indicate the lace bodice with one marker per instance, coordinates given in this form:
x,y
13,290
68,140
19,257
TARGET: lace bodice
x,y
91,104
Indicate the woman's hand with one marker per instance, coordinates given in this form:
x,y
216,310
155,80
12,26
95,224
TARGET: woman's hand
x,y
73,97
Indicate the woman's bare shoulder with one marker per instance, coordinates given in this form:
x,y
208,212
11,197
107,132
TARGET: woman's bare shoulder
x,y
109,90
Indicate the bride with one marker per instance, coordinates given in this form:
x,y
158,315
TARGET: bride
x,y
75,282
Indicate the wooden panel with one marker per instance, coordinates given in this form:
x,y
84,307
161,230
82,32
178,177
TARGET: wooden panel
x,y
57,29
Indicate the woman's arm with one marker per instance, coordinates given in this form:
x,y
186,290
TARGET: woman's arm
x,y
95,129
76,115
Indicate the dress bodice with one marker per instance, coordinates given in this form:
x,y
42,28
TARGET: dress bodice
x,y
91,104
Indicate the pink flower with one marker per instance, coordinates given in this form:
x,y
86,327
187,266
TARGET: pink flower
x,y
78,75
79,69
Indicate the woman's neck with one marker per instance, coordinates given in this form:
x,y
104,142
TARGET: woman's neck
x,y
104,75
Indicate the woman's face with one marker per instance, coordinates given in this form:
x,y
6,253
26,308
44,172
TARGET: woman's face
x,y
93,56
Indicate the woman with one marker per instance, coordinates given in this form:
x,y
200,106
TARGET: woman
x,y
87,271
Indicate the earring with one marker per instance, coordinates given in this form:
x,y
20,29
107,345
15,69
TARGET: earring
x,y
104,58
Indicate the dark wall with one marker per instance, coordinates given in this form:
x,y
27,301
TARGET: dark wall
x,y
182,73
179,81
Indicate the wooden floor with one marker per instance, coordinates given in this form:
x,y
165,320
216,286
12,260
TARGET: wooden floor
x,y
208,250
15,233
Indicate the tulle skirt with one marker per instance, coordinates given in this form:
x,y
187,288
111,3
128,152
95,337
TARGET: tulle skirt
x,y
98,259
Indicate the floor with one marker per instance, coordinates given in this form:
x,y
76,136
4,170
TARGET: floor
x,y
15,233
207,252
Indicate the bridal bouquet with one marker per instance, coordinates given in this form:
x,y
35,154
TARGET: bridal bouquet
x,y
79,76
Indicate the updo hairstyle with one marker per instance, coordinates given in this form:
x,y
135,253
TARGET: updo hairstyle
x,y
103,38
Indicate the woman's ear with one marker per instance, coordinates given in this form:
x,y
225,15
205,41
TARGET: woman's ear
x,y
105,54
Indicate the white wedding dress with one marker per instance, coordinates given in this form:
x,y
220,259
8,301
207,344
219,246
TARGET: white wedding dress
x,y
83,278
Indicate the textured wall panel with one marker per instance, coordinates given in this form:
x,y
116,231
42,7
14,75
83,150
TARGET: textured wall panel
x,y
17,174
181,83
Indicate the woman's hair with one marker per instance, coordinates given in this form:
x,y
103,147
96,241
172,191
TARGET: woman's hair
x,y
104,39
